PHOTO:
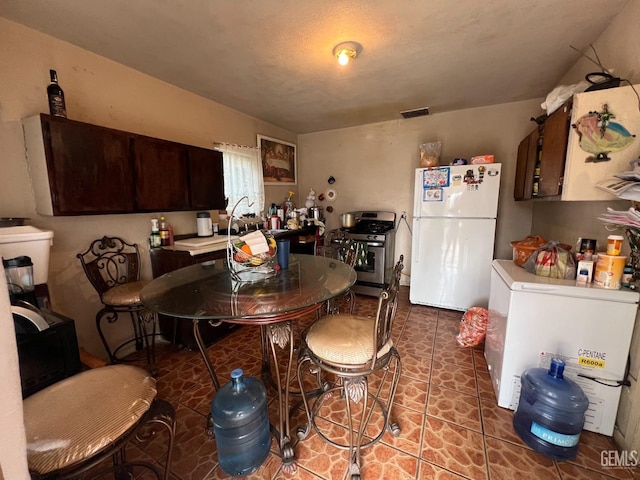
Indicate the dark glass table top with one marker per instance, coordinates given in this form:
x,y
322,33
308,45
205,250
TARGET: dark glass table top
x,y
208,291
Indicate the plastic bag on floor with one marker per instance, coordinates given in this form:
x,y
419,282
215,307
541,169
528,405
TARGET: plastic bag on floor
x,y
473,327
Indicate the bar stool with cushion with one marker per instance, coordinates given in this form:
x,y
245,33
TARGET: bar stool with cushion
x,y
352,349
113,268
75,426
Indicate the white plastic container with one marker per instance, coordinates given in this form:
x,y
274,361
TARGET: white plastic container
x,y
32,242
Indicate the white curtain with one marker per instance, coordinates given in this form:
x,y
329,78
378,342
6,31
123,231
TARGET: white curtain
x,y
243,176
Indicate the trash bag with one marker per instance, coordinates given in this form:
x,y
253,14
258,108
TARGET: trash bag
x,y
560,94
553,260
473,327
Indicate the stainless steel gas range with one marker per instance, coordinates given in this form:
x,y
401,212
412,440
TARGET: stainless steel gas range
x,y
375,232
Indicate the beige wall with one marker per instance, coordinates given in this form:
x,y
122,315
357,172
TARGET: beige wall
x,y
105,93
374,164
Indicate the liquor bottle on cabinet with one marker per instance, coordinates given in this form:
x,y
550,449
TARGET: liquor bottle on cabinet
x,y
536,171
55,95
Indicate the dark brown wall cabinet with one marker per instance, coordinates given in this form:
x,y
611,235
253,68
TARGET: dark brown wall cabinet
x,y
83,169
541,157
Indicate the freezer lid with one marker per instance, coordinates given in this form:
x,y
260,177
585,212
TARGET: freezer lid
x,y
519,280
466,191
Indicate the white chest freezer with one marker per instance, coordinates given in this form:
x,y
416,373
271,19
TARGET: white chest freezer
x,y
532,319
31,242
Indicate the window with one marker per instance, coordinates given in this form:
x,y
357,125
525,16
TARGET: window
x,y
243,176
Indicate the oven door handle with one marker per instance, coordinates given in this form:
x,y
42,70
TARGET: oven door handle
x,y
371,244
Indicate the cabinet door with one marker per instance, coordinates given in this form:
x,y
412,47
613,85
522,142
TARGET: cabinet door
x,y
161,175
206,179
527,154
554,151
180,330
89,168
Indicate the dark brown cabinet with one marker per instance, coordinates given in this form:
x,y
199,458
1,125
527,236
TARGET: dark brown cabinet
x,y
180,331
161,175
85,169
206,178
525,166
541,157
82,169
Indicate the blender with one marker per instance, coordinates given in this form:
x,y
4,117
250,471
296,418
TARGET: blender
x,y
19,273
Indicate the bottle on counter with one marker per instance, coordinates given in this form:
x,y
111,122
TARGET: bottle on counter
x,y
627,275
154,238
288,205
274,222
55,95
165,236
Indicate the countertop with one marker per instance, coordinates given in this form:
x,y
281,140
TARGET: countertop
x,y
219,242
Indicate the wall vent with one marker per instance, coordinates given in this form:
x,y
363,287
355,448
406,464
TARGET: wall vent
x,y
417,112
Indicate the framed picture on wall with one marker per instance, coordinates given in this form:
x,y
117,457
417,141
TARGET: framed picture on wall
x,y
278,161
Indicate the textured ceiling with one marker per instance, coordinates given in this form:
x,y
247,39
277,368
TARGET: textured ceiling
x,y
272,59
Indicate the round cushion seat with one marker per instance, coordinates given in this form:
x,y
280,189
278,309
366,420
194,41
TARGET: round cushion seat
x,y
76,418
344,339
123,295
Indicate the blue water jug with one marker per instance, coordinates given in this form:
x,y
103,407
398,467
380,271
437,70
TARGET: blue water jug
x,y
550,415
241,424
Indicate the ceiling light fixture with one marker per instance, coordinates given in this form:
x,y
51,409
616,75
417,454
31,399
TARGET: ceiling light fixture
x,y
346,51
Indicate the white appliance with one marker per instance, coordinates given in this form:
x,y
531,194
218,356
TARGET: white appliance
x,y
454,221
532,319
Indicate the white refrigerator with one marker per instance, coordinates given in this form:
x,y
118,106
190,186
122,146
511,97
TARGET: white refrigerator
x,y
532,319
454,221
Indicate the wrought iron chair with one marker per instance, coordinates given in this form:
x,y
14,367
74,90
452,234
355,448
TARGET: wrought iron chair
x,y
74,426
351,348
113,268
346,251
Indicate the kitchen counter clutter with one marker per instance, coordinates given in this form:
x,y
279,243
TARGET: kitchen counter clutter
x,y
195,246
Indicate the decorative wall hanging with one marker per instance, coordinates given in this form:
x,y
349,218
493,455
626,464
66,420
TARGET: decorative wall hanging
x,y
331,194
600,136
278,161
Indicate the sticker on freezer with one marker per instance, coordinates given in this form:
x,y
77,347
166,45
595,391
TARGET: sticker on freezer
x,y
591,358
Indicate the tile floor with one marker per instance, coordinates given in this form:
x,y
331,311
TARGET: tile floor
x,y
451,425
